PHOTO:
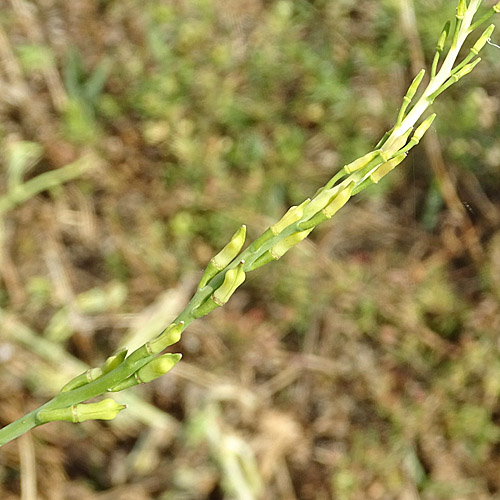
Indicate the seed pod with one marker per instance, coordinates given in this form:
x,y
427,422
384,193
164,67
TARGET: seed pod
x,y
106,409
361,162
292,215
232,280
391,149
443,37
330,210
385,168
481,42
149,372
94,373
225,256
461,9
320,201
422,128
114,361
278,250
169,336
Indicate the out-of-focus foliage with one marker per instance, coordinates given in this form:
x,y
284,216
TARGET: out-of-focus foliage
x,y
363,365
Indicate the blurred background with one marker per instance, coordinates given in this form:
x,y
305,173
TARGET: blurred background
x,y
135,138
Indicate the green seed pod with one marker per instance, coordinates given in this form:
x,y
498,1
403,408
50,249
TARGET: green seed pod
x,y
157,367
232,280
361,162
265,236
461,9
481,42
466,69
339,201
169,336
412,90
422,128
114,361
443,37
292,215
83,379
320,201
390,149
496,7
330,210
278,250
106,409
153,370
264,259
386,168
225,256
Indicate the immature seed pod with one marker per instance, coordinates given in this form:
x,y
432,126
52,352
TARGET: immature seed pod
x,y
114,361
232,280
443,37
292,215
106,409
330,210
386,167
94,373
278,250
412,89
461,9
361,162
422,128
169,336
224,257
481,42
389,150
320,201
149,372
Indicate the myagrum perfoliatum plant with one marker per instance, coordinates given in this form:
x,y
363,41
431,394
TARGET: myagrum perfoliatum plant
x,y
227,270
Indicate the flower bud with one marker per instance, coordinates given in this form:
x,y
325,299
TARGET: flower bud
x,y
106,409
225,256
